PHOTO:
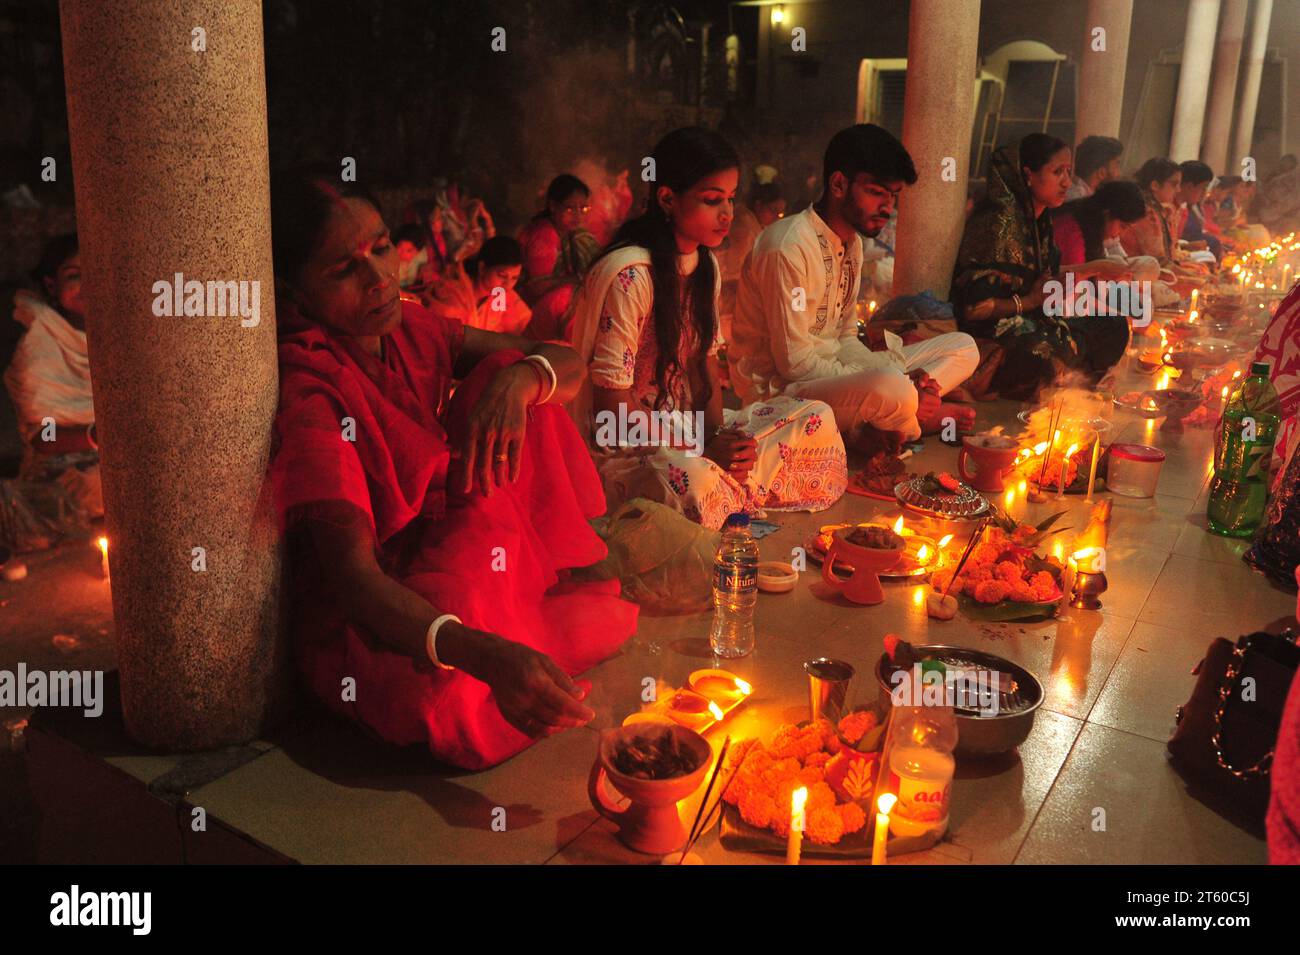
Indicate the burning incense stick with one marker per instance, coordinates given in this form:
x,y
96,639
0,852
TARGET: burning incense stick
x,y
1051,441
693,835
970,546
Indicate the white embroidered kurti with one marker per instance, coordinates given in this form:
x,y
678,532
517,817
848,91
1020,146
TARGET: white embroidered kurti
x,y
800,463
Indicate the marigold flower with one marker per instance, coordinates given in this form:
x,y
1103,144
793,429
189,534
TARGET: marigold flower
x,y
940,579
1025,533
757,809
1044,585
854,726
852,816
824,826
984,554
990,591
820,796
811,775
818,759
1007,570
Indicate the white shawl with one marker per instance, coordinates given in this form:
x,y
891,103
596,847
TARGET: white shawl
x,y
49,376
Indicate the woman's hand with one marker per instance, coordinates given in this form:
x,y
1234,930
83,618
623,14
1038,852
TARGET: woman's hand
x,y
733,451
494,439
532,693
1034,298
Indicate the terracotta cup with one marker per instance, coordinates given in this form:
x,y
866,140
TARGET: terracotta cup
x,y
863,587
992,465
650,822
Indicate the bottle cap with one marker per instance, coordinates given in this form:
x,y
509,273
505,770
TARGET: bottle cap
x,y
737,520
1260,368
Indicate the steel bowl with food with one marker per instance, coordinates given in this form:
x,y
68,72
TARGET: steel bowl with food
x,y
1020,696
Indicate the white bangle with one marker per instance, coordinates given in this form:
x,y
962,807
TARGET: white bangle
x,y
431,640
550,373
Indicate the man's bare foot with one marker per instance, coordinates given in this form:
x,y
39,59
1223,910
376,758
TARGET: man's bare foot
x,y
963,415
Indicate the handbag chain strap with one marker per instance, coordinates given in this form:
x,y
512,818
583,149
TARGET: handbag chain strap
x,y
1226,689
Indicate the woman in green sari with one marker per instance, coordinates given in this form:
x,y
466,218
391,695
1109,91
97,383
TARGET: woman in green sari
x,y
1007,255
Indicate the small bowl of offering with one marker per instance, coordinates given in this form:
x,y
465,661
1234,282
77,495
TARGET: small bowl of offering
x,y
654,766
776,576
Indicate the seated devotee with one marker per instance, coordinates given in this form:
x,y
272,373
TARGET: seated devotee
x,y
1082,229
412,253
1154,234
1190,226
422,574
765,205
557,252
646,323
48,380
796,331
482,293
1279,197
1096,160
1007,255
427,215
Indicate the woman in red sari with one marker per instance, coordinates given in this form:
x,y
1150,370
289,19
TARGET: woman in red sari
x,y
429,535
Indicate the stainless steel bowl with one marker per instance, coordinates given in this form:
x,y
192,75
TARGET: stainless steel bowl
x,y
983,736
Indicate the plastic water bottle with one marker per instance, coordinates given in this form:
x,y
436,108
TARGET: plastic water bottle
x,y
921,765
735,589
1243,456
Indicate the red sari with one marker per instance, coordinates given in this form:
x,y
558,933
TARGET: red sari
x,y
497,562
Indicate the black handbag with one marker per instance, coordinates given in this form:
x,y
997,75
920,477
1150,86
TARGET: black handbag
x,y
1224,740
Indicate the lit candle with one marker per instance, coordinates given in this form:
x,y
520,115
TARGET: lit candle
x,y
885,805
795,843
1092,467
1065,466
1195,292
1090,560
103,556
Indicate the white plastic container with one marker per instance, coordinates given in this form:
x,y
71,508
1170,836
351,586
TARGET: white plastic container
x,y
1134,469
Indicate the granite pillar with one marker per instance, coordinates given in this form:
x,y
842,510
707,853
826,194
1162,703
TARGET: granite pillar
x,y
942,45
1256,49
1193,79
1223,89
1101,72
167,121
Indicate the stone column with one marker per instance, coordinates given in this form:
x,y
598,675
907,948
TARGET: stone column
x,y
942,45
1193,79
1101,72
167,121
1223,89
1255,53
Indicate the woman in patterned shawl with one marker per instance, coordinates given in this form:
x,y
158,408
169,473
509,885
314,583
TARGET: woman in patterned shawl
x,y
646,322
1007,254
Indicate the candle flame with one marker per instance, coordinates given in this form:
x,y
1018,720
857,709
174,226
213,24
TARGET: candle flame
x,y
797,800
743,687
1040,447
1058,550
944,541
1224,393
716,711
102,544
1070,451
886,803
898,525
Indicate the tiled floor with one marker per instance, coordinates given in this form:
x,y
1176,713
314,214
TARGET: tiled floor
x,y
1091,784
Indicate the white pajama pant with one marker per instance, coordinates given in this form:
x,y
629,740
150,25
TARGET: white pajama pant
x,y
885,398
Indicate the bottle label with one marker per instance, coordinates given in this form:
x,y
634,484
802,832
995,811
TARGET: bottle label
x,y
921,800
736,578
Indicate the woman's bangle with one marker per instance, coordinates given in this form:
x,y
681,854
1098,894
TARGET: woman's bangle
x,y
91,437
431,640
540,377
541,362
1020,308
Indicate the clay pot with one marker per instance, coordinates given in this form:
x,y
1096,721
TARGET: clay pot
x,y
650,822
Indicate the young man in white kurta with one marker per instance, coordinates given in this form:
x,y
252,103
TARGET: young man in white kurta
x,y
813,351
